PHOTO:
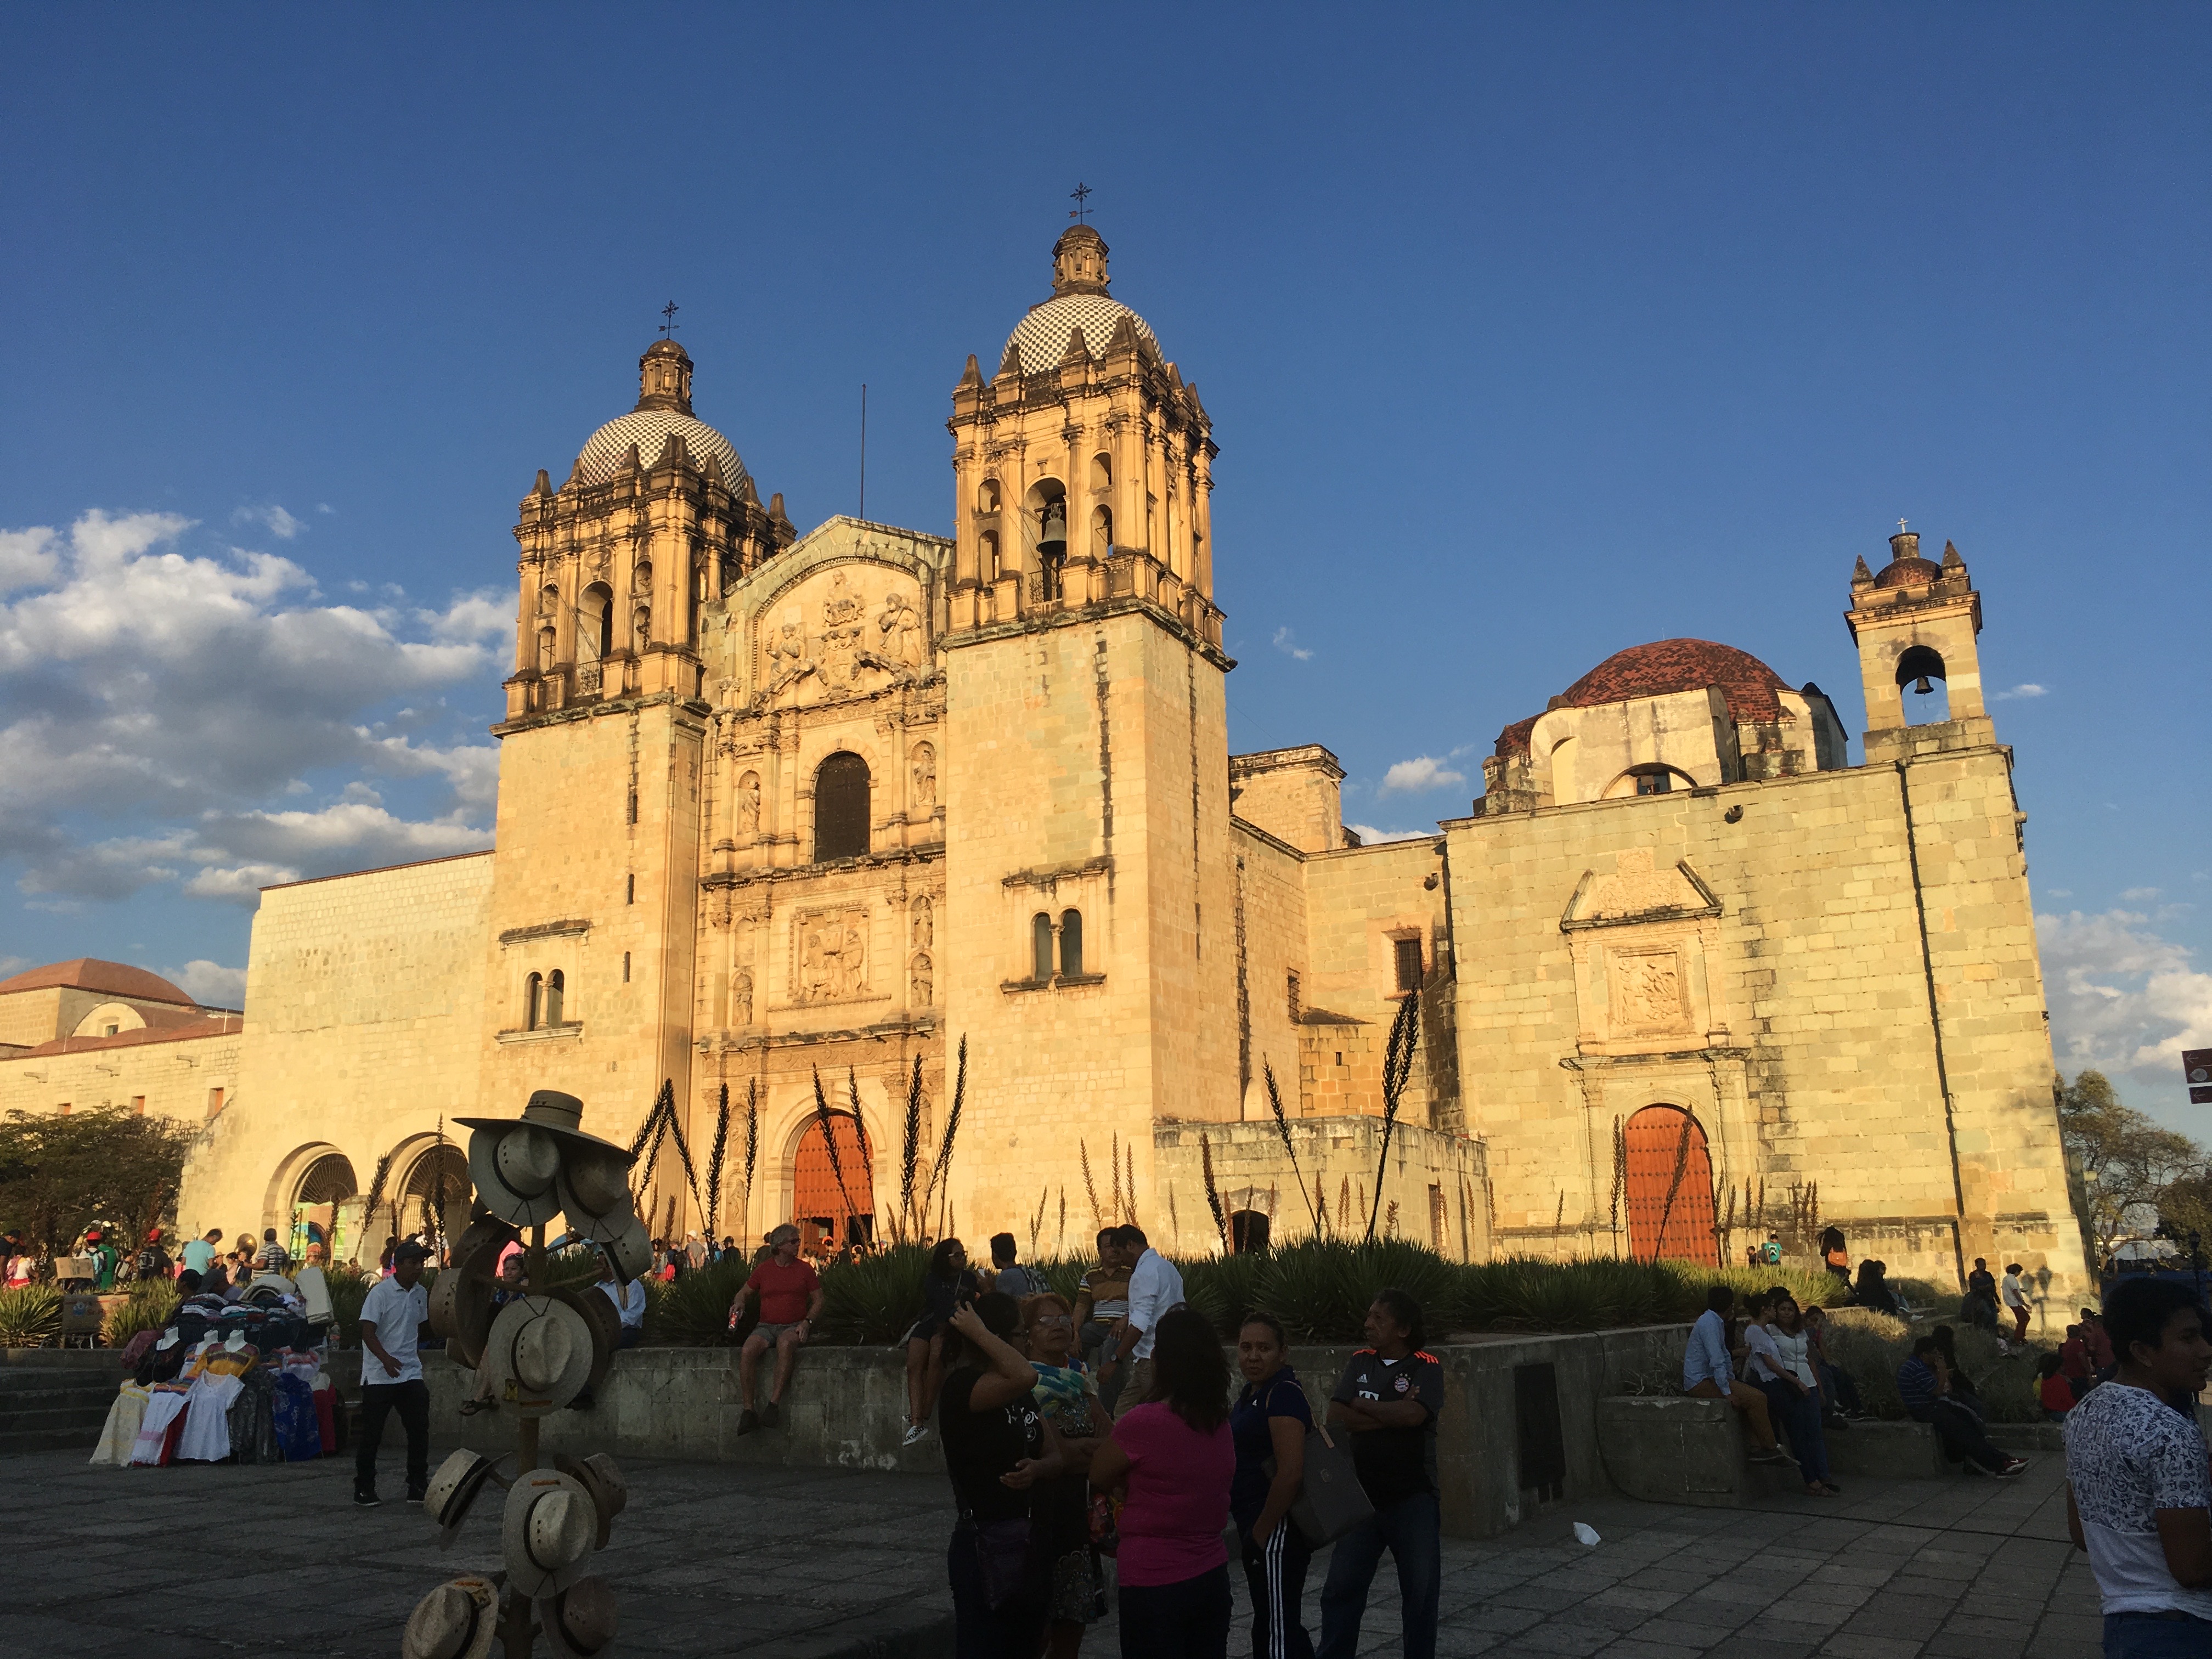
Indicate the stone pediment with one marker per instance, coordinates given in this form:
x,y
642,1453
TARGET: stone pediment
x,y
1638,891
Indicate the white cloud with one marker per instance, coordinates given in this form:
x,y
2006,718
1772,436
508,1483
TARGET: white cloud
x,y
1286,641
1407,777
2123,1000
1370,836
10,966
25,560
209,982
2025,689
272,518
2139,895
158,695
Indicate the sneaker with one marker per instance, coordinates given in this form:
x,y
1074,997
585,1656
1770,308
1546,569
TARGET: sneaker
x,y
748,1420
366,1500
771,1414
2013,1467
915,1434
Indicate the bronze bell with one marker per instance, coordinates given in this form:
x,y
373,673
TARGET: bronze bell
x,y
1921,687
1052,539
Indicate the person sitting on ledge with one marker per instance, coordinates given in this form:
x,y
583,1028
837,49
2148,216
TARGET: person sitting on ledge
x,y
1923,1383
790,1293
628,1299
1709,1373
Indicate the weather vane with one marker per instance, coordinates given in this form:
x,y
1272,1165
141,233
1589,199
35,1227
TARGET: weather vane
x,y
668,319
1079,195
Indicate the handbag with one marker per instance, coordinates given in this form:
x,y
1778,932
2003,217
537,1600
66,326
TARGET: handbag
x,y
1002,1547
1331,1502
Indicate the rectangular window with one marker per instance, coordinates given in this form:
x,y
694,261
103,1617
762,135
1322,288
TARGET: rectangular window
x,y
632,896
1409,965
1439,1230
215,1102
137,1105
64,1109
1652,783
625,967
1291,989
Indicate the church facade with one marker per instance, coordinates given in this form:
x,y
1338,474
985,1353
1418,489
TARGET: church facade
x,y
936,817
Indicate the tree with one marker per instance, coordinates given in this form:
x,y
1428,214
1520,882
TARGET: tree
x,y
2115,1157
60,1172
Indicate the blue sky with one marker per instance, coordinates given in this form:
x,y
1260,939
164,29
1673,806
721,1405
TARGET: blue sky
x,y
1527,335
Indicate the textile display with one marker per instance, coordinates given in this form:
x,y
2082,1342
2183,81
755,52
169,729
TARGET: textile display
x,y
121,1433
159,1428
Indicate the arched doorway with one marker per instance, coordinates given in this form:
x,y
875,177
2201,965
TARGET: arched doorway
x,y
314,1208
437,1192
1670,1187
833,1201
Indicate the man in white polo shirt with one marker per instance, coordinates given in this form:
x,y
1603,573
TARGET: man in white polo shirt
x,y
393,1315
1155,1289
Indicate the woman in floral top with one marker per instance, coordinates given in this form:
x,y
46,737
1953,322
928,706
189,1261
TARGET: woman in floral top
x,y
1067,1398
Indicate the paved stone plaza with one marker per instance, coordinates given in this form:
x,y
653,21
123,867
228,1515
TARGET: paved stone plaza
x,y
716,1559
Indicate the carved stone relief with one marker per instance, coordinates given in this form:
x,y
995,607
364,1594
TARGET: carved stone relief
x,y
817,648
741,998
924,924
1647,993
829,956
745,804
921,982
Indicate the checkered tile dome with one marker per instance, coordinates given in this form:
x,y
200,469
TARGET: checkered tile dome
x,y
608,453
1044,333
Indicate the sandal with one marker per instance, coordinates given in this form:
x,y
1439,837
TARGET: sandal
x,y
471,1407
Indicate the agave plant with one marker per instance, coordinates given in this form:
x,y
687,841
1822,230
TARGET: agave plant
x,y
30,1317
694,1310
152,1304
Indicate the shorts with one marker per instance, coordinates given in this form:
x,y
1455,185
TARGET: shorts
x,y
773,1333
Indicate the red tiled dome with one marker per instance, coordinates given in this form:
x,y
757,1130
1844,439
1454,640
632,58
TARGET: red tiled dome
x,y
91,974
1663,667
1899,572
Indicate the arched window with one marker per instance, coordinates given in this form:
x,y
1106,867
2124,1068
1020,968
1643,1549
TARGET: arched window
x,y
1048,503
1920,673
1102,471
988,561
986,498
554,986
1669,1177
1101,532
595,621
640,624
1070,944
545,648
841,808
534,996
1041,947
640,578
548,600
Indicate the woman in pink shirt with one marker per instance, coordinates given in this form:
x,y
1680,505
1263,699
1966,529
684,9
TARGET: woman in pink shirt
x,y
1175,1455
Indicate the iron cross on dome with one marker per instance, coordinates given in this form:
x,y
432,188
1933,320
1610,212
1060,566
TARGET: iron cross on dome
x,y
668,324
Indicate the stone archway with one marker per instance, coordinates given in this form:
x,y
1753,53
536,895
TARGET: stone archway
x,y
1670,1187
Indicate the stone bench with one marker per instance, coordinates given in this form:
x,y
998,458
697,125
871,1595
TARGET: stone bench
x,y
1677,1448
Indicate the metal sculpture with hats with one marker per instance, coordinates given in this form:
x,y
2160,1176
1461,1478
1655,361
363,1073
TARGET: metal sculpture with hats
x,y
544,1349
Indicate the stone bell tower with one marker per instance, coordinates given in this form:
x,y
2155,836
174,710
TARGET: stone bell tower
x,y
595,885
1916,623
1088,866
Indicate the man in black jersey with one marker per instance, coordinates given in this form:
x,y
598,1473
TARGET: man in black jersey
x,y
1388,1402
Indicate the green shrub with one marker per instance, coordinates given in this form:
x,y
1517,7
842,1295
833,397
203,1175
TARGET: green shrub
x,y
350,1287
873,1299
1871,1346
30,1317
153,1304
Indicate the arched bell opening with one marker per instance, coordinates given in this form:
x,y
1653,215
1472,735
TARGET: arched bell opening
x,y
1927,694
1047,511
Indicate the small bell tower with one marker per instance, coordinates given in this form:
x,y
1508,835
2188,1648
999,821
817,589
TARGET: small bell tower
x,y
1915,622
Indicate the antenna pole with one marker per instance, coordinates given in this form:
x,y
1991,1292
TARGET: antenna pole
x,y
864,449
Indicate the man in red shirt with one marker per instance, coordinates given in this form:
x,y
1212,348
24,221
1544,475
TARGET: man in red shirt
x,y
790,1295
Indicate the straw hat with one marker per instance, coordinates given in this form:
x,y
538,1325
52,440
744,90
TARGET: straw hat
x,y
606,1320
513,1166
559,1115
594,1185
546,1532
453,1489
477,1250
579,1622
631,1250
460,1311
457,1620
541,1351
598,1476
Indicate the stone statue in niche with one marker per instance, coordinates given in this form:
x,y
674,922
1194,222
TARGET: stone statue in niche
x,y
922,981
900,627
924,778
924,925
741,998
1649,985
745,804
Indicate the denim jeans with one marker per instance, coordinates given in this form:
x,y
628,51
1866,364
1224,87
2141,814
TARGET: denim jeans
x,y
1798,1416
1412,1529
1185,1620
377,1401
2156,1636
1960,1432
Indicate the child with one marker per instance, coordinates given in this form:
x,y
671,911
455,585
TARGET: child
x,y
2054,1389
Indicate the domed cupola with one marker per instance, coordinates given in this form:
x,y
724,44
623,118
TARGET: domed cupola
x,y
664,408
1079,302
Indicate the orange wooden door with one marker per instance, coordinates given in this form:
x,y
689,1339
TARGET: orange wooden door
x,y
1670,1187
842,1213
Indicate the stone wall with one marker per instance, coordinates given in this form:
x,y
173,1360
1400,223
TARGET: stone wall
x,y
192,1078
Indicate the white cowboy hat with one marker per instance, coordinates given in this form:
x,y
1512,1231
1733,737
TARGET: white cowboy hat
x,y
457,1620
579,1622
594,1185
546,1532
606,1320
541,1351
460,1311
453,1489
560,1116
598,1476
631,1250
513,1165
